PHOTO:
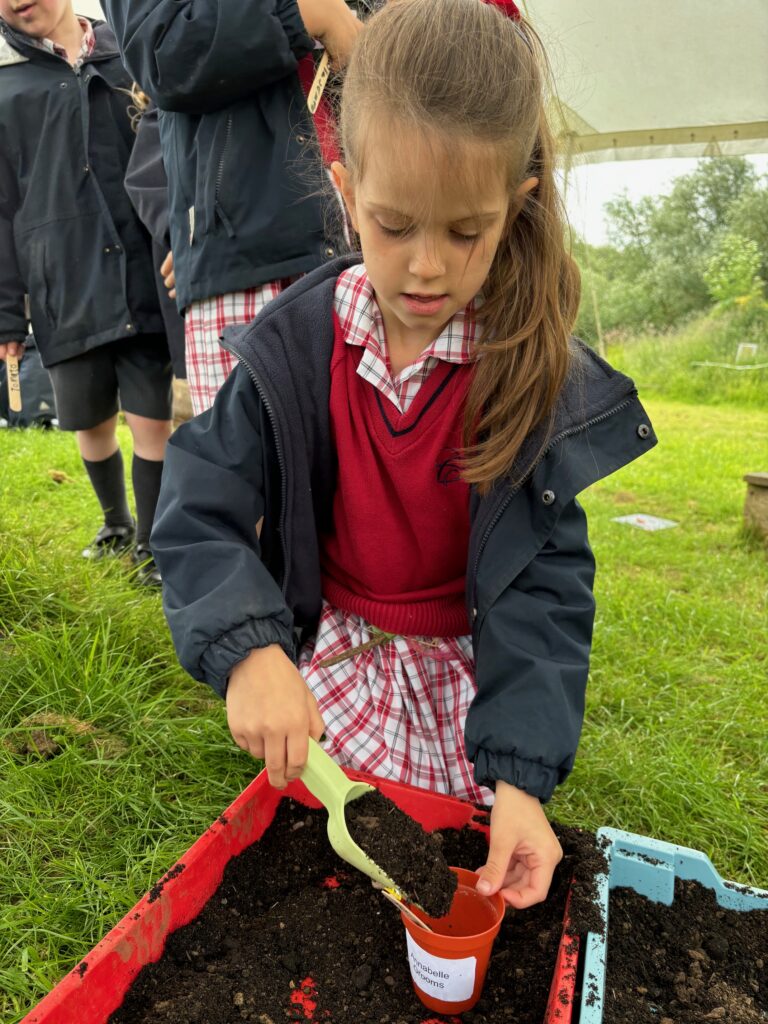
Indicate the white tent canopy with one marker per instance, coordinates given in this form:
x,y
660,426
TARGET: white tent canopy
x,y
662,78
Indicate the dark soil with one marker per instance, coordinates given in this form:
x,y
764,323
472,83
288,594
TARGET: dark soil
x,y
412,857
690,963
292,933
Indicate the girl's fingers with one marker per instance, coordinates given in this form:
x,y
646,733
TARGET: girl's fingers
x,y
296,749
517,873
11,348
534,888
274,760
494,871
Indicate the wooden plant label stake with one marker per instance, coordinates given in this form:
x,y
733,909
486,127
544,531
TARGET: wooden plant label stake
x,y
14,383
406,910
319,82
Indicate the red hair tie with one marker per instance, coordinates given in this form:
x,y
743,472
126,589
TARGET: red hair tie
x,y
508,7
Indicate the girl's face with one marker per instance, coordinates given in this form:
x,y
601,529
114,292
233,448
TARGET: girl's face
x,y
37,18
428,238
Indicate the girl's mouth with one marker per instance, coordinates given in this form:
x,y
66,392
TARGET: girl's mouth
x,y
424,305
24,9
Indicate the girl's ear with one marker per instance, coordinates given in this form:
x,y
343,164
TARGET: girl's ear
x,y
527,186
519,197
343,182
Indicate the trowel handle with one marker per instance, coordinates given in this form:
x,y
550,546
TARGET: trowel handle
x,y
323,777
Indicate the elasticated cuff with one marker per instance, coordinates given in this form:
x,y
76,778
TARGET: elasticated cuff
x,y
531,776
221,655
14,334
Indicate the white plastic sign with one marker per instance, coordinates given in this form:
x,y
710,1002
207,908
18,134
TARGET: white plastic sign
x,y
646,522
450,980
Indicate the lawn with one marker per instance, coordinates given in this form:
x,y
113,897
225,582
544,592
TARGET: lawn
x,y
112,761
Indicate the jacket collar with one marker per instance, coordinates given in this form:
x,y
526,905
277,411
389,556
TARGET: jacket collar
x,y
8,53
16,49
592,388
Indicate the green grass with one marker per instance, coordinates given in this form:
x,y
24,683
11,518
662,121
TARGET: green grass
x,y
673,746
663,366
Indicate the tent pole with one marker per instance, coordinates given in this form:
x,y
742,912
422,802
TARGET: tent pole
x,y
569,147
596,309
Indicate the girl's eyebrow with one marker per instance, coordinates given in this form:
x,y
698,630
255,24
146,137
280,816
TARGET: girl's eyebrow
x,y
478,218
472,218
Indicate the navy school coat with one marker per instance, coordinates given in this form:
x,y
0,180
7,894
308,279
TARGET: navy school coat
x,y
265,449
69,237
246,184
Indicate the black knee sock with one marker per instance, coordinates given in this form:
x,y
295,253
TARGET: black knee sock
x,y
146,490
108,481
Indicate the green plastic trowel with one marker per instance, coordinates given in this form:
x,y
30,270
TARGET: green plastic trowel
x,y
328,783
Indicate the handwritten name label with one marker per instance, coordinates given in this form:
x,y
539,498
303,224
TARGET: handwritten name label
x,y
14,384
450,980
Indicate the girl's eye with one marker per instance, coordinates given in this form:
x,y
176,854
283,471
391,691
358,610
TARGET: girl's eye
x,y
395,232
461,237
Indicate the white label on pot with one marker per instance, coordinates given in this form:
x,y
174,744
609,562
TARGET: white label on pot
x,y
451,980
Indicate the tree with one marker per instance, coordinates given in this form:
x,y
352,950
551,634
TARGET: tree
x,y
663,245
748,217
732,270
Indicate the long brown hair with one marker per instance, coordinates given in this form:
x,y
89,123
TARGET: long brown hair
x,y
461,70
139,105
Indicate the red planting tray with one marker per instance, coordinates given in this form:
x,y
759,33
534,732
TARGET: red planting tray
x,y
98,984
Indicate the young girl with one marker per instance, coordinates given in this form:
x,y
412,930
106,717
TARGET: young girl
x,y
414,429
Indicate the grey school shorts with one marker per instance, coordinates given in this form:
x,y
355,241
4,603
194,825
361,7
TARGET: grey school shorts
x,y
133,374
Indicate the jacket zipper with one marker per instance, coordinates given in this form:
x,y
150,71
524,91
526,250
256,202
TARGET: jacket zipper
x,y
280,463
570,432
220,171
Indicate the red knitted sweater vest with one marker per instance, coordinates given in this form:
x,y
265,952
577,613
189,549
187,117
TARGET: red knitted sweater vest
x,y
398,553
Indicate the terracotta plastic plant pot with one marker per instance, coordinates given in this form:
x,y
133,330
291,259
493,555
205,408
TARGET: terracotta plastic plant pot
x,y
448,964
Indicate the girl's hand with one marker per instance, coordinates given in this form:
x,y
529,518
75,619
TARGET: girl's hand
x,y
271,712
332,22
524,850
11,348
168,275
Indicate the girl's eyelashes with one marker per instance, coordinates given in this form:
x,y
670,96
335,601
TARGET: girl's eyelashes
x,y
395,232
459,236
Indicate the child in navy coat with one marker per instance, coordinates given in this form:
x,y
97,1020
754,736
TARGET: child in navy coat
x,y
70,241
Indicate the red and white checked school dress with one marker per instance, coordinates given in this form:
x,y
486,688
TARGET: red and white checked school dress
x,y
208,364
396,709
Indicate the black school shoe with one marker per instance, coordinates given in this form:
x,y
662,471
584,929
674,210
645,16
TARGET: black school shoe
x,y
147,572
110,540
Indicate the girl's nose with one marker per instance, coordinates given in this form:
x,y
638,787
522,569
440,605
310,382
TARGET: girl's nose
x,y
426,261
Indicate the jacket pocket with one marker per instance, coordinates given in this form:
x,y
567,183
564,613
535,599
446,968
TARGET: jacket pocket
x,y
38,284
216,161
74,277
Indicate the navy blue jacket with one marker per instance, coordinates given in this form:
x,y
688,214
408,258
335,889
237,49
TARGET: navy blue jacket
x,y
147,186
265,449
69,236
245,183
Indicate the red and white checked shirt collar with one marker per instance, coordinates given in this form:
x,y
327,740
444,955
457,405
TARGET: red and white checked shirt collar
x,y
89,41
362,324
